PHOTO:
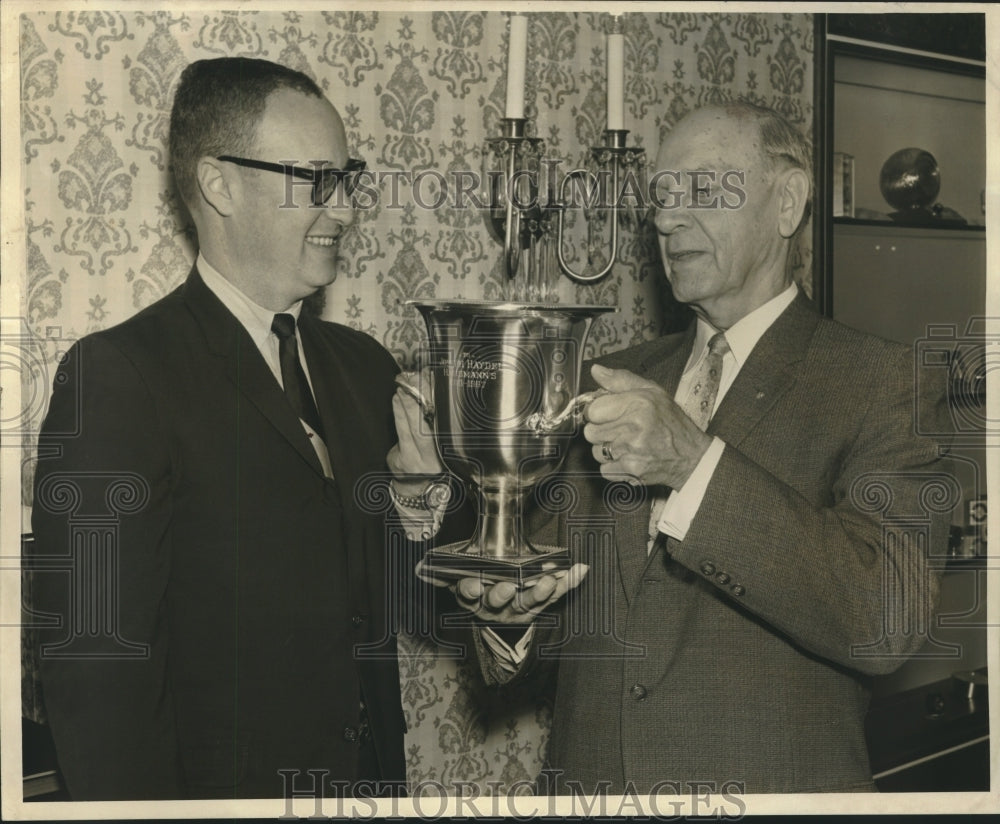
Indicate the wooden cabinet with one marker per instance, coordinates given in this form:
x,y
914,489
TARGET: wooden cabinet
x,y
896,281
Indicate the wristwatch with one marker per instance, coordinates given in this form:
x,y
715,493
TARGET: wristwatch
x,y
435,494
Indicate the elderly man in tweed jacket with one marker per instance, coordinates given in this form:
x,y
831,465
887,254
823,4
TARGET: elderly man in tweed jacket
x,y
754,581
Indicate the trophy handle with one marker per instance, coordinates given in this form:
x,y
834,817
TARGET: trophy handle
x,y
539,423
407,381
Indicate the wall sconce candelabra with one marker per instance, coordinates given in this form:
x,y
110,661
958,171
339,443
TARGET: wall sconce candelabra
x,y
620,159
513,163
534,233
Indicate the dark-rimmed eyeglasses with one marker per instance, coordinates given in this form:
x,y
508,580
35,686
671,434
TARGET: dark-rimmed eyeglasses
x,y
324,179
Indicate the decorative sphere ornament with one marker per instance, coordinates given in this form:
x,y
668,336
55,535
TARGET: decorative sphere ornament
x,y
910,180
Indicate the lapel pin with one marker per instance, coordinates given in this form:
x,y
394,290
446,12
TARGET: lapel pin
x,y
760,395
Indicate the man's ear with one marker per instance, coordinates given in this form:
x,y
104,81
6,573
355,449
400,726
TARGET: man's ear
x,y
793,195
214,186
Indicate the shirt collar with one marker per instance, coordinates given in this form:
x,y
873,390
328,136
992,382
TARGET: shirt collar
x,y
254,317
743,335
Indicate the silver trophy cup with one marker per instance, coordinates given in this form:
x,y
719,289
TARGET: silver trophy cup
x,y
503,402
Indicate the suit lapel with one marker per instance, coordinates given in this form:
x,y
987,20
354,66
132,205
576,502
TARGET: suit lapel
x,y
768,373
245,366
344,413
663,366
340,408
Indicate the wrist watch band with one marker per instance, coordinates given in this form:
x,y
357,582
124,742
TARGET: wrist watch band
x,y
434,495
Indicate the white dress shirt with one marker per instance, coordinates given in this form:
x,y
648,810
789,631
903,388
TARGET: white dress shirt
x,y
257,321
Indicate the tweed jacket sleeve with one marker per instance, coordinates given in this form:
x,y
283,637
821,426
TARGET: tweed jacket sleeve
x,y
812,529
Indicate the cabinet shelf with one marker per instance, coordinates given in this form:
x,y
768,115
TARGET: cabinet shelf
x,y
957,564
891,224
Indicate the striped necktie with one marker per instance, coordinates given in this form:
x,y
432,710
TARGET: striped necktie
x,y
293,376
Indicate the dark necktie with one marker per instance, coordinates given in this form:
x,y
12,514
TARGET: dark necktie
x,y
292,375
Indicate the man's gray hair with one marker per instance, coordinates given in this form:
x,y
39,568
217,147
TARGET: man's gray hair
x,y
780,142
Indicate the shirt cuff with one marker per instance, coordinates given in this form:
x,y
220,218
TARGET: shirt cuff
x,y
508,657
683,504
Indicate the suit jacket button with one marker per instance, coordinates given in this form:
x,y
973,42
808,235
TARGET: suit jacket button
x,y
738,589
638,692
723,578
708,568
350,734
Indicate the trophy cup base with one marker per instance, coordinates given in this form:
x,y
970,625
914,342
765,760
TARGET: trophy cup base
x,y
450,563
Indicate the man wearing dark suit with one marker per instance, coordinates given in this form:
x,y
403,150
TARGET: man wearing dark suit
x,y
240,572
760,571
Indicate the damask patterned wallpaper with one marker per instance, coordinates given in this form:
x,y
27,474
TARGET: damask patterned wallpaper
x,y
419,92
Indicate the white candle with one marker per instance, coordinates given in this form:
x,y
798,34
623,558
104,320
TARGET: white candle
x,y
517,54
616,75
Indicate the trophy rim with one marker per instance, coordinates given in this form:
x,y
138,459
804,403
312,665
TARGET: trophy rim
x,y
504,306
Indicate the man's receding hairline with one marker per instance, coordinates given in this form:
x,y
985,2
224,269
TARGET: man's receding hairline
x,y
322,97
741,112
717,114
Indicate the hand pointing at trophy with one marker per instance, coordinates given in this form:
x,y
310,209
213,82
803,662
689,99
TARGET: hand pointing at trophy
x,y
639,433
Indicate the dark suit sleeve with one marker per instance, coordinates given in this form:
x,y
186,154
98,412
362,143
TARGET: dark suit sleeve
x,y
849,579
101,512
533,673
